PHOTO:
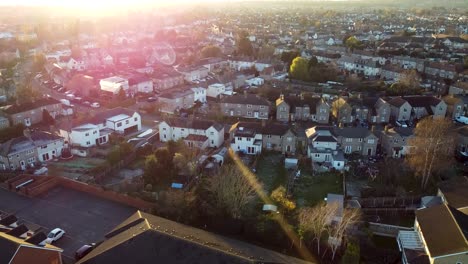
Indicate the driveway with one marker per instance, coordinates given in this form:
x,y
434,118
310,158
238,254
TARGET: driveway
x,y
85,218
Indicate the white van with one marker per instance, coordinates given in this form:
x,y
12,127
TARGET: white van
x,y
462,119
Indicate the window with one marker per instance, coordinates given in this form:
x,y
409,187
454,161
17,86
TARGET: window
x,y
212,133
164,128
127,122
88,143
249,139
119,124
349,140
262,107
249,106
360,139
249,113
87,134
95,132
317,155
135,119
289,139
268,136
348,149
164,135
371,141
239,138
359,148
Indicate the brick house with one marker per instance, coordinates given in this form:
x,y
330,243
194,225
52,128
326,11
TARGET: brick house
x,y
394,141
246,106
31,113
302,108
357,139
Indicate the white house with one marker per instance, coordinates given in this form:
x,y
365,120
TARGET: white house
x,y
114,84
49,146
140,84
247,140
199,94
96,130
215,90
193,73
257,81
323,147
195,133
76,64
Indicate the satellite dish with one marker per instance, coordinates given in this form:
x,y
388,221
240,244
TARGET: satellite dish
x,y
163,53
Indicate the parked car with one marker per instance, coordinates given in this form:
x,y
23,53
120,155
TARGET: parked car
x,y
462,119
401,123
84,250
152,99
87,103
55,235
95,105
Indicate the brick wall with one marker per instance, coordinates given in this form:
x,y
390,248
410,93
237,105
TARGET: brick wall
x,y
44,183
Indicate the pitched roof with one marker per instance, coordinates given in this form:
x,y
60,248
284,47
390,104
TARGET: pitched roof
x,y
352,132
301,101
270,128
440,230
455,192
193,123
397,101
422,101
158,239
251,99
14,109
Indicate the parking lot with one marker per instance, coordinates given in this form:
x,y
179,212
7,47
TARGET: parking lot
x,y
85,218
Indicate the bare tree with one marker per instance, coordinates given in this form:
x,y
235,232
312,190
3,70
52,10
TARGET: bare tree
x,y
410,79
231,190
314,220
339,109
431,147
337,229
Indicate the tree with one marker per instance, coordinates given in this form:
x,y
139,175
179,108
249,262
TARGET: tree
x,y
164,158
231,191
337,229
180,163
299,69
314,220
25,93
280,197
353,43
151,166
266,51
432,147
313,62
211,51
244,47
47,118
288,56
339,109
410,80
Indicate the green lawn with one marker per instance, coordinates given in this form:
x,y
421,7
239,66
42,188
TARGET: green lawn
x,y
271,172
310,190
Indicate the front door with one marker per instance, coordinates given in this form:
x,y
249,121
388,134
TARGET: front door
x,y
369,152
23,165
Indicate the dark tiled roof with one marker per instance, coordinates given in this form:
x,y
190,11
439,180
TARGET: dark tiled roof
x,y
297,101
14,109
352,132
245,99
455,192
422,101
193,123
404,131
397,101
18,231
441,231
271,128
164,241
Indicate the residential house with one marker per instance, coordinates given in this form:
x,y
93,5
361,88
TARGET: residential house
x,y
96,130
76,64
140,84
4,122
342,111
166,78
458,88
379,110
32,113
302,108
18,248
114,85
199,94
322,147
422,106
193,73
392,73
215,90
144,238
455,106
27,150
174,101
252,137
195,133
357,139
394,141
246,106
400,109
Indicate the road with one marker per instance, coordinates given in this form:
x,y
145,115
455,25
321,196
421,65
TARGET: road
x,y
85,218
